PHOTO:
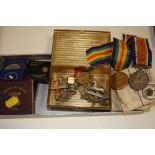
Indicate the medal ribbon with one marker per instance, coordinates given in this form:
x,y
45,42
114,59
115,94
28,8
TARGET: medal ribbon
x,y
121,55
99,54
142,53
117,52
126,37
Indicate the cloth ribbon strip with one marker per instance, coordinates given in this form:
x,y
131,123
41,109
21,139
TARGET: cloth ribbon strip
x,y
142,54
122,54
126,37
100,54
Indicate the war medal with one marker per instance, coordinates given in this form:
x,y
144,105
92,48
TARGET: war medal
x,y
142,59
83,76
119,80
149,92
138,80
121,60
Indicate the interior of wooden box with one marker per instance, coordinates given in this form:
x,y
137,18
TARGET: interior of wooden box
x,y
100,73
69,51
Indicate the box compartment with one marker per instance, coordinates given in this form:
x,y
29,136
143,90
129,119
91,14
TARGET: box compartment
x,y
68,52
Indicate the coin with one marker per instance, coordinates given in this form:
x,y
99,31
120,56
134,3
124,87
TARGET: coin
x,y
138,80
149,92
119,80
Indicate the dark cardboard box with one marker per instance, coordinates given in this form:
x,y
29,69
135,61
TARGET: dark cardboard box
x,y
16,97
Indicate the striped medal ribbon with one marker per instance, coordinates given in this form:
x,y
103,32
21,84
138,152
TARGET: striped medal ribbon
x,y
142,55
116,52
121,59
99,54
142,59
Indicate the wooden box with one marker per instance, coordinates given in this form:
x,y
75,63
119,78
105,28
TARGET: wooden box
x,y
69,51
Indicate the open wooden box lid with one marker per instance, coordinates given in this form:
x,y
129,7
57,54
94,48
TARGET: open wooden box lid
x,y
69,46
69,51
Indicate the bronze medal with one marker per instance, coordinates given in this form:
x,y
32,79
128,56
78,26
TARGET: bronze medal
x,y
149,92
84,78
138,80
119,80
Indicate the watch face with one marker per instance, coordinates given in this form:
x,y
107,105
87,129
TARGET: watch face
x,y
11,76
138,80
149,92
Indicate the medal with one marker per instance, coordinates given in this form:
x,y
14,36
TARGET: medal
x,y
119,80
121,60
83,76
142,58
138,80
149,92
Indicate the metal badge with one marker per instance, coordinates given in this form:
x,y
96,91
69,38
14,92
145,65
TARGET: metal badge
x,y
84,79
64,91
149,92
119,80
83,82
94,94
138,80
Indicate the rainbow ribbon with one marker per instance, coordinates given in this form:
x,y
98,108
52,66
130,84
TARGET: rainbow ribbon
x,y
122,55
99,54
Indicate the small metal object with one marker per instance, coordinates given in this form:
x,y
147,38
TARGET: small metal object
x,y
149,92
63,95
119,80
83,76
94,99
70,79
138,80
96,93
64,91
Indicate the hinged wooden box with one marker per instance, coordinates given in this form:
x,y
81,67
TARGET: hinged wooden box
x,y
68,52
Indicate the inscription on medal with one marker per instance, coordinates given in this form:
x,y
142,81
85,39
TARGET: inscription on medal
x,y
138,80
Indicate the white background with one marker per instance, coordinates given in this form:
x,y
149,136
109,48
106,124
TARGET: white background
x,y
38,40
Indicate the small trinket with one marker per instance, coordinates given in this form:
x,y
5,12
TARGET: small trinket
x,y
64,91
84,83
71,80
149,92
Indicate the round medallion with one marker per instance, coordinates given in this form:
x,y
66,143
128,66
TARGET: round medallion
x,y
44,69
149,92
138,80
119,80
84,78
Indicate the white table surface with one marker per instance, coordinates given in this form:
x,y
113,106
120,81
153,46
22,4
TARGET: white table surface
x,y
38,40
